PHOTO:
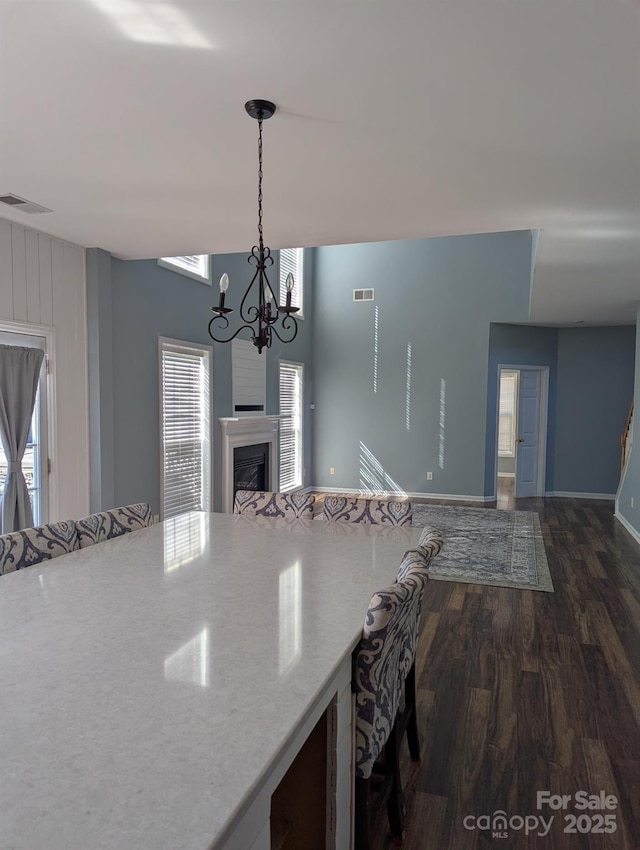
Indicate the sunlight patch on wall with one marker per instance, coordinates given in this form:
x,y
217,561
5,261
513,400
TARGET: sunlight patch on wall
x,y
374,481
289,617
443,401
375,350
408,394
153,23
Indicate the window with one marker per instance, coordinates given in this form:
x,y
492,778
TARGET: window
x,y
35,462
292,261
291,396
196,266
507,413
185,373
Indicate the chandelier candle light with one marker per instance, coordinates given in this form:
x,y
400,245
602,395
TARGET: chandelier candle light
x,y
262,320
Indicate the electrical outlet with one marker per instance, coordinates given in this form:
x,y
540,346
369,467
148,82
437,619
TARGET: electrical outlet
x,y
332,470
429,476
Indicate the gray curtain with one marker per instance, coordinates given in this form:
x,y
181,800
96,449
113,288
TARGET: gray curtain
x,y
19,373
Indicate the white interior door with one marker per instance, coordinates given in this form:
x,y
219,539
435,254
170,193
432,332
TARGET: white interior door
x,y
528,433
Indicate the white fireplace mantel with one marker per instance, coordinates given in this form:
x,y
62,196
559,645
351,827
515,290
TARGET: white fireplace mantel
x,y
247,431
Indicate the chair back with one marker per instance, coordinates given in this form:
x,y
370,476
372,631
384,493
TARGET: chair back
x,y
265,503
113,523
20,549
388,634
429,545
373,511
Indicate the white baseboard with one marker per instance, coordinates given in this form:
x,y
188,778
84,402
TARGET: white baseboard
x,y
563,494
386,495
625,522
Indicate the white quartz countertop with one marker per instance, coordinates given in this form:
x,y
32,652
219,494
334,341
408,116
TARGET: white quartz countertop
x,y
148,683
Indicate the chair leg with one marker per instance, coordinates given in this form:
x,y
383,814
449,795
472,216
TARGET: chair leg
x,y
394,802
413,739
362,825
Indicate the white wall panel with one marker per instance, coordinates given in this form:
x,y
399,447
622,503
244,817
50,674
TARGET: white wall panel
x,y
42,282
19,263
6,271
46,287
33,277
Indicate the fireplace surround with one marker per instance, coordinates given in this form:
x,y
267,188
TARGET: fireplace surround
x,y
247,431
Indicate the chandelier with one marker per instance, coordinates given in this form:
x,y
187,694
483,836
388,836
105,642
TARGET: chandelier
x,y
260,311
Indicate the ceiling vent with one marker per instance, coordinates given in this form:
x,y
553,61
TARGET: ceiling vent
x,y
23,205
363,294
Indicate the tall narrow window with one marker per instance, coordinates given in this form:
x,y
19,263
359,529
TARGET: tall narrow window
x,y
292,261
196,266
291,407
507,413
186,427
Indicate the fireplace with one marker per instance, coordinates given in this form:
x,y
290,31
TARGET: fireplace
x,y
250,467
258,435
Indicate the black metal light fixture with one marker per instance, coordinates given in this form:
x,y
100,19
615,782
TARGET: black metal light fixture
x,y
267,317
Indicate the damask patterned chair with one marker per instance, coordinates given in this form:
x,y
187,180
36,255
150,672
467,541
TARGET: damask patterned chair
x,y
114,523
20,549
388,638
414,562
373,511
265,503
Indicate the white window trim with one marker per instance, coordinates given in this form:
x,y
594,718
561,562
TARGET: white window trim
x,y
166,263
207,352
299,283
299,366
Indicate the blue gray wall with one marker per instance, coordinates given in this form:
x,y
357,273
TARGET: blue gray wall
x,y
595,389
519,345
439,296
630,487
590,387
146,302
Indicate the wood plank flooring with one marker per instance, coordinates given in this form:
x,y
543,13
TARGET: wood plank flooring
x,y
523,691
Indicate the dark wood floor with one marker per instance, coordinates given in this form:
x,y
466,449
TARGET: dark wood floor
x,y
524,691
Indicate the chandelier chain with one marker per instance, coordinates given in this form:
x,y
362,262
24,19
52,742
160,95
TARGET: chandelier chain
x,y
260,179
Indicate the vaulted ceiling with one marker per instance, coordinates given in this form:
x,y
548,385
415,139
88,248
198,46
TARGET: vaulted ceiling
x,y
126,118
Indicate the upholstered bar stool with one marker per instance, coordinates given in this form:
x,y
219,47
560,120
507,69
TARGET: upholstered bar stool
x,y
388,638
367,511
20,549
265,503
415,561
113,523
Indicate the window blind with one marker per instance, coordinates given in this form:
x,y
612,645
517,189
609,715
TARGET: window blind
x,y
507,414
291,384
196,265
291,261
185,429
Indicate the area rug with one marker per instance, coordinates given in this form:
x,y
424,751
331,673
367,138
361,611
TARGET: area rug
x,y
487,546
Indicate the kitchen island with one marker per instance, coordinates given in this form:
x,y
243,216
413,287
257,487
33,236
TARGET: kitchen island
x,y
158,688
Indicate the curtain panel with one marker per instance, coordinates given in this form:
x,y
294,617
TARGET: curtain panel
x,y
19,374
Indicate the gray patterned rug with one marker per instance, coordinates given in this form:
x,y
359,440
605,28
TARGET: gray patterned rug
x,y
487,546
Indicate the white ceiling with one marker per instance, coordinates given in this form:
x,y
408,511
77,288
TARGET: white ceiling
x,y
396,119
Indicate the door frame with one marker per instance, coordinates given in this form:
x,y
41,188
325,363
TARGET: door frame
x,y
543,420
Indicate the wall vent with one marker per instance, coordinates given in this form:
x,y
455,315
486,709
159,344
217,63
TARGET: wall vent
x,y
363,294
22,204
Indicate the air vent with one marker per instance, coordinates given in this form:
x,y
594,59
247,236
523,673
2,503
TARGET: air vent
x,y
363,294
23,205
